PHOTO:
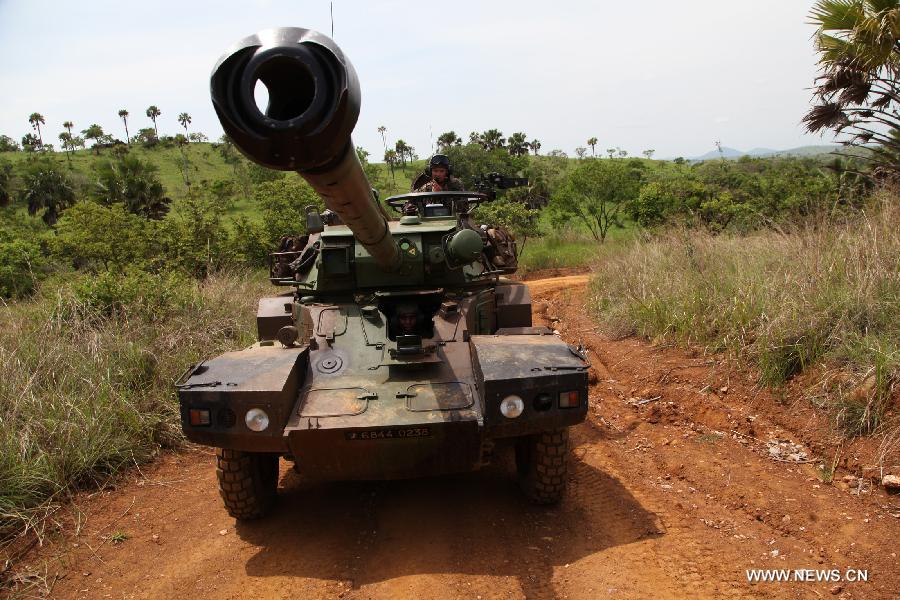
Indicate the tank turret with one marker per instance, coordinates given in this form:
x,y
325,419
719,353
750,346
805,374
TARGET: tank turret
x,y
313,106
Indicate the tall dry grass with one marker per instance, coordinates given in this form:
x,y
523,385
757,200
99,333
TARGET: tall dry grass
x,y
87,371
825,294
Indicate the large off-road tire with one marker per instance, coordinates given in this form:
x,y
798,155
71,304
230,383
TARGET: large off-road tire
x,y
541,460
248,482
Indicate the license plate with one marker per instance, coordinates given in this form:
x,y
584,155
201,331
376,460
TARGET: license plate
x,y
389,434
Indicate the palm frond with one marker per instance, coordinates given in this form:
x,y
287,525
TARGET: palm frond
x,y
824,116
836,15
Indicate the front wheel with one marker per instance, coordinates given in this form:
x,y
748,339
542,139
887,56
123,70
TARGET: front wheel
x,y
541,461
247,482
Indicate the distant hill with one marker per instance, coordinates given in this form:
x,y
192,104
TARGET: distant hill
x,y
731,153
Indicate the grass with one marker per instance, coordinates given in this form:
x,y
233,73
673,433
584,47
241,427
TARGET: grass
x,y
87,388
824,295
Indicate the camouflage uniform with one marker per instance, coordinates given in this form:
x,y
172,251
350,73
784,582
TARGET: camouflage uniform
x,y
453,185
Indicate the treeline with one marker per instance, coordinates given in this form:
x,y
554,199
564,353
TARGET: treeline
x,y
147,136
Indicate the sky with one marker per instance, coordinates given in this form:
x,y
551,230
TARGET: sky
x,y
671,76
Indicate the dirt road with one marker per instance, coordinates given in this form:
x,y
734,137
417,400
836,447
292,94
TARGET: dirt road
x,y
673,494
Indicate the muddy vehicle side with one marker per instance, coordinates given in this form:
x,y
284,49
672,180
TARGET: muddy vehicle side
x,y
402,350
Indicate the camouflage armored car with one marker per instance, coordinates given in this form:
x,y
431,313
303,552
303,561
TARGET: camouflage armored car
x,y
400,349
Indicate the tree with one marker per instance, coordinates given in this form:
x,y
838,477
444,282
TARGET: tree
x,y
535,146
198,136
471,160
580,151
133,183
68,125
596,192
146,137
37,119
611,152
648,154
403,150
66,139
391,158
493,139
153,112
94,236
46,189
592,142
448,139
381,130
94,132
857,90
30,142
282,204
517,144
7,144
185,120
123,114
5,182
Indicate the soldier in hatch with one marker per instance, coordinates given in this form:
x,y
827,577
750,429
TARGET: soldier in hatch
x,y
441,176
439,179
407,319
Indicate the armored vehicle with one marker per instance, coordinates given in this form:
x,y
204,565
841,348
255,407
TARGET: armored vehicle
x,y
401,349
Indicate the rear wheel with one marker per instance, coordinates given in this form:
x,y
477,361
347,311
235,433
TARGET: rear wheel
x,y
541,461
247,482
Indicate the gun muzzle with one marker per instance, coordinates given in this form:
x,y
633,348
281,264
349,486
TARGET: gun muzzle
x,y
313,106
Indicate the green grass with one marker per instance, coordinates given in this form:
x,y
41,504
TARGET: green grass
x,y
87,389
824,295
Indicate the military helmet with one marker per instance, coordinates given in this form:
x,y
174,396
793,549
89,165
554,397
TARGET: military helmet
x,y
439,160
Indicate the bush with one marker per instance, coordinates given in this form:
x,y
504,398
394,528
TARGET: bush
x,y
282,204
98,237
21,266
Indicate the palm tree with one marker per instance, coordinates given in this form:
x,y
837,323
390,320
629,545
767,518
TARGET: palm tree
x,y
68,125
37,119
858,88
154,113
445,140
535,146
592,142
517,144
124,116
493,139
45,188
185,120
135,184
381,130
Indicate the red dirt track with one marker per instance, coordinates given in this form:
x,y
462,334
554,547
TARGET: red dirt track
x,y
672,494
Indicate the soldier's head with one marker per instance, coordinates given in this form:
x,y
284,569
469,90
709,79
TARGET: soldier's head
x,y
407,318
439,167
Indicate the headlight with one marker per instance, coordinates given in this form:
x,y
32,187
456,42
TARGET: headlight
x,y
512,406
256,419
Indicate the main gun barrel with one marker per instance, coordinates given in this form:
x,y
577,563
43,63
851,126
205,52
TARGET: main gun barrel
x,y
313,106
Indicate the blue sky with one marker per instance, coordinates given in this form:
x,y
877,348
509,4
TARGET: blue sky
x,y
672,76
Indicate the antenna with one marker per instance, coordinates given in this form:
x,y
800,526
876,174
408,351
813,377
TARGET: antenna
x,y
331,12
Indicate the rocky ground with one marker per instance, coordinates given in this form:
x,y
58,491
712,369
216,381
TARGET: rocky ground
x,y
685,476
